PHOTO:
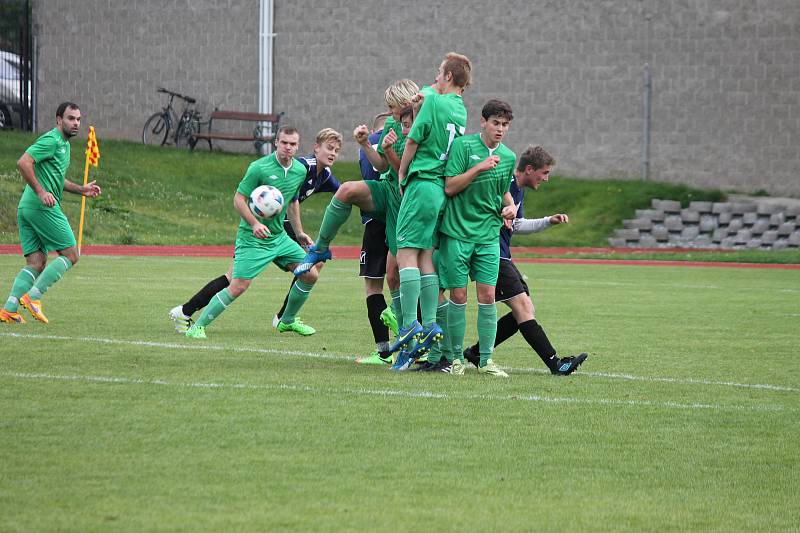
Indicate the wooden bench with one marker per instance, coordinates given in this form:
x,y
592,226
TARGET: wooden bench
x,y
261,134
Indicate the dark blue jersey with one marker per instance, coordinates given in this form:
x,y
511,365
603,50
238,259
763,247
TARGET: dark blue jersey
x,y
518,194
324,182
368,172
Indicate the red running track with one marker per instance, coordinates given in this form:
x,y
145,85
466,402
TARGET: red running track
x,y
353,252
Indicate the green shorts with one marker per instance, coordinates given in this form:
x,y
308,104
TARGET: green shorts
x,y
386,198
418,218
44,230
254,255
459,261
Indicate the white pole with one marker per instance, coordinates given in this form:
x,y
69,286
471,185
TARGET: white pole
x,y
266,37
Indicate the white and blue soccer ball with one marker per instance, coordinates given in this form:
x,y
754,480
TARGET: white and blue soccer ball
x,y
266,201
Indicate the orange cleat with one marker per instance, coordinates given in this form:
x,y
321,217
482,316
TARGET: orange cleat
x,y
34,307
11,318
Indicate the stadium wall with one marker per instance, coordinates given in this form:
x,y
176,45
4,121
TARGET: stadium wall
x,y
725,74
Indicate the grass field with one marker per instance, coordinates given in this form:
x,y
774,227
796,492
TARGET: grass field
x,y
684,417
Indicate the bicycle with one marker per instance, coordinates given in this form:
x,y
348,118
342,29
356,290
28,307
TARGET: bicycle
x,y
158,126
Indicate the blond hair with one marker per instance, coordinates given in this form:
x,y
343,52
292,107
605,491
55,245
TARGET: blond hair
x,y
400,93
328,135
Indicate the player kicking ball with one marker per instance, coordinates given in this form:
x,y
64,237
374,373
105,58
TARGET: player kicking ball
x,y
259,241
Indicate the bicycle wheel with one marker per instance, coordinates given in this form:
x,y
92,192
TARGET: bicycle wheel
x,y
186,128
155,130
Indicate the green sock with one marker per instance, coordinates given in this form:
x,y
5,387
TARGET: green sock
x,y
397,307
22,284
409,294
298,295
487,330
218,304
49,275
336,214
439,350
456,328
428,297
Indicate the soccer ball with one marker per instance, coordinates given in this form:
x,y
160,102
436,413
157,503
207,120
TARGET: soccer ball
x,y
266,201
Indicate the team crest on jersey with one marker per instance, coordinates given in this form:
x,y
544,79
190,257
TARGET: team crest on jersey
x,y
475,157
273,177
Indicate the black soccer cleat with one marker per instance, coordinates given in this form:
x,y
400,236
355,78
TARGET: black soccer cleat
x,y
568,365
473,356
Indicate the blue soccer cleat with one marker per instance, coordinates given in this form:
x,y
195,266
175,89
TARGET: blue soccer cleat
x,y
404,361
406,335
568,365
429,335
312,258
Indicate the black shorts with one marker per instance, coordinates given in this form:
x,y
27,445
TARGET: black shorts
x,y
509,282
373,251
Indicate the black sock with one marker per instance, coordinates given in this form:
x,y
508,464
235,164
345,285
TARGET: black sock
x,y
204,295
537,339
286,299
375,306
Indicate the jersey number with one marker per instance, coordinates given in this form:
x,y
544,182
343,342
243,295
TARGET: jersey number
x,y
451,128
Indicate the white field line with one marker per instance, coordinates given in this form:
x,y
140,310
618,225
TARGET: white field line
x,y
336,357
388,392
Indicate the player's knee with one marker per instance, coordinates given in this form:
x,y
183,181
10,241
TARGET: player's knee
x,y
238,286
311,276
72,256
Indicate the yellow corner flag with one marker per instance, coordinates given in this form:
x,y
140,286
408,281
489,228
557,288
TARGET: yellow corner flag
x,y
92,150
92,158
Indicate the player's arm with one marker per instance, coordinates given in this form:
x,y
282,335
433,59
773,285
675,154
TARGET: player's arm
x,y
260,231
408,156
293,214
524,226
90,189
388,150
456,184
361,135
25,165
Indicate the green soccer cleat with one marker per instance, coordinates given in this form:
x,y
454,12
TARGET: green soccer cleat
x,y
389,320
375,359
491,369
196,332
457,367
297,326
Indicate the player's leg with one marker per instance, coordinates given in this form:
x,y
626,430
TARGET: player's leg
x,y
372,267
351,193
484,267
55,233
288,258
181,315
34,264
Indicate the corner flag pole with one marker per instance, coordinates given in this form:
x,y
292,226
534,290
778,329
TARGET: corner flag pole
x,y
92,157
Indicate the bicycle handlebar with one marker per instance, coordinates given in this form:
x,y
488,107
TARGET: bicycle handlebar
x,y
188,99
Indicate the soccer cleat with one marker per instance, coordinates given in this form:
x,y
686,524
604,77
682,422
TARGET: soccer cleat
x,y
429,335
443,365
423,367
406,335
34,307
312,258
389,320
275,321
374,359
457,367
196,332
491,369
11,318
568,365
473,356
403,361
181,321
297,326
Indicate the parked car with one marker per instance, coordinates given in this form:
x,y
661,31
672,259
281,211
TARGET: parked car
x,y
10,75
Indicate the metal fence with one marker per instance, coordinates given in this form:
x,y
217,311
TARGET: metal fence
x,y
16,65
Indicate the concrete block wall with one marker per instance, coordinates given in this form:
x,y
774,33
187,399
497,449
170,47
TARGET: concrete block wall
x,y
766,225
726,75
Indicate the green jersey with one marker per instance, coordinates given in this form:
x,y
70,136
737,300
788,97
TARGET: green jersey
x,y
398,147
50,154
473,215
441,119
269,171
